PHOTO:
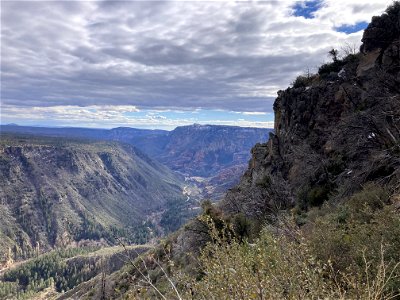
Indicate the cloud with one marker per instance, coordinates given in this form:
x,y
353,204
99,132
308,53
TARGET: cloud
x,y
254,113
113,116
70,113
162,55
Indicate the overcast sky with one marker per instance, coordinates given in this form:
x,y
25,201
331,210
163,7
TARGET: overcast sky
x,y
160,64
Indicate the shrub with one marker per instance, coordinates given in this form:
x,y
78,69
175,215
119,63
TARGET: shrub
x,y
354,233
336,165
387,26
303,81
318,194
333,67
272,268
281,267
315,195
264,182
329,71
348,252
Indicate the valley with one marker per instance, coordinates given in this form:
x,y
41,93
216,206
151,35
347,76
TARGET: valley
x,y
70,194
216,155
59,192
308,210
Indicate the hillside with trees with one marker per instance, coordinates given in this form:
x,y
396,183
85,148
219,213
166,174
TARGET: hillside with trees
x,y
58,193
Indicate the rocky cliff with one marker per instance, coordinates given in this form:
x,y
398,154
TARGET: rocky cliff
x,y
205,150
334,131
61,192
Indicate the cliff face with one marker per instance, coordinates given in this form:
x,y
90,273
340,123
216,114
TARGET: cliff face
x,y
218,154
334,133
205,150
59,192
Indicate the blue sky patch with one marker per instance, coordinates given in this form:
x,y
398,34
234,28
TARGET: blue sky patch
x,y
352,28
306,9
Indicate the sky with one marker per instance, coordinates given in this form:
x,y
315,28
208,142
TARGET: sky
x,y
162,64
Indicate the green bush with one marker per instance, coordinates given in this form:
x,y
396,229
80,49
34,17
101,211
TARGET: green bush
x,y
327,70
280,266
336,165
303,81
333,67
344,252
355,232
314,196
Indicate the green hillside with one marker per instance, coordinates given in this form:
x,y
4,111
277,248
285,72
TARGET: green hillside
x,y
61,192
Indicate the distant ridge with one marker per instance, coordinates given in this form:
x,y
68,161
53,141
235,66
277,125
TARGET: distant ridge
x,y
218,152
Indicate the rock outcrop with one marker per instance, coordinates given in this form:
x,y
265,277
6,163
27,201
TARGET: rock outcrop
x,y
332,135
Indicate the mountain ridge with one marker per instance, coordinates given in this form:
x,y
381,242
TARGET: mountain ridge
x,y
58,192
206,151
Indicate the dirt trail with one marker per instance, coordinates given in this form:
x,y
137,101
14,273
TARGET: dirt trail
x,y
12,266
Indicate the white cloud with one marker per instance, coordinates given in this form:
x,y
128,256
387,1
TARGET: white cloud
x,y
254,113
185,55
69,113
342,12
110,116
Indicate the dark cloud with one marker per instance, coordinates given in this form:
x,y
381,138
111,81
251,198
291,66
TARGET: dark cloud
x,y
212,55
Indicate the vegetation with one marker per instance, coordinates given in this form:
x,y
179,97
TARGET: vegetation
x,y
175,215
340,240
388,28
49,270
346,251
61,191
301,81
334,54
304,80
62,270
358,230
285,267
329,70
